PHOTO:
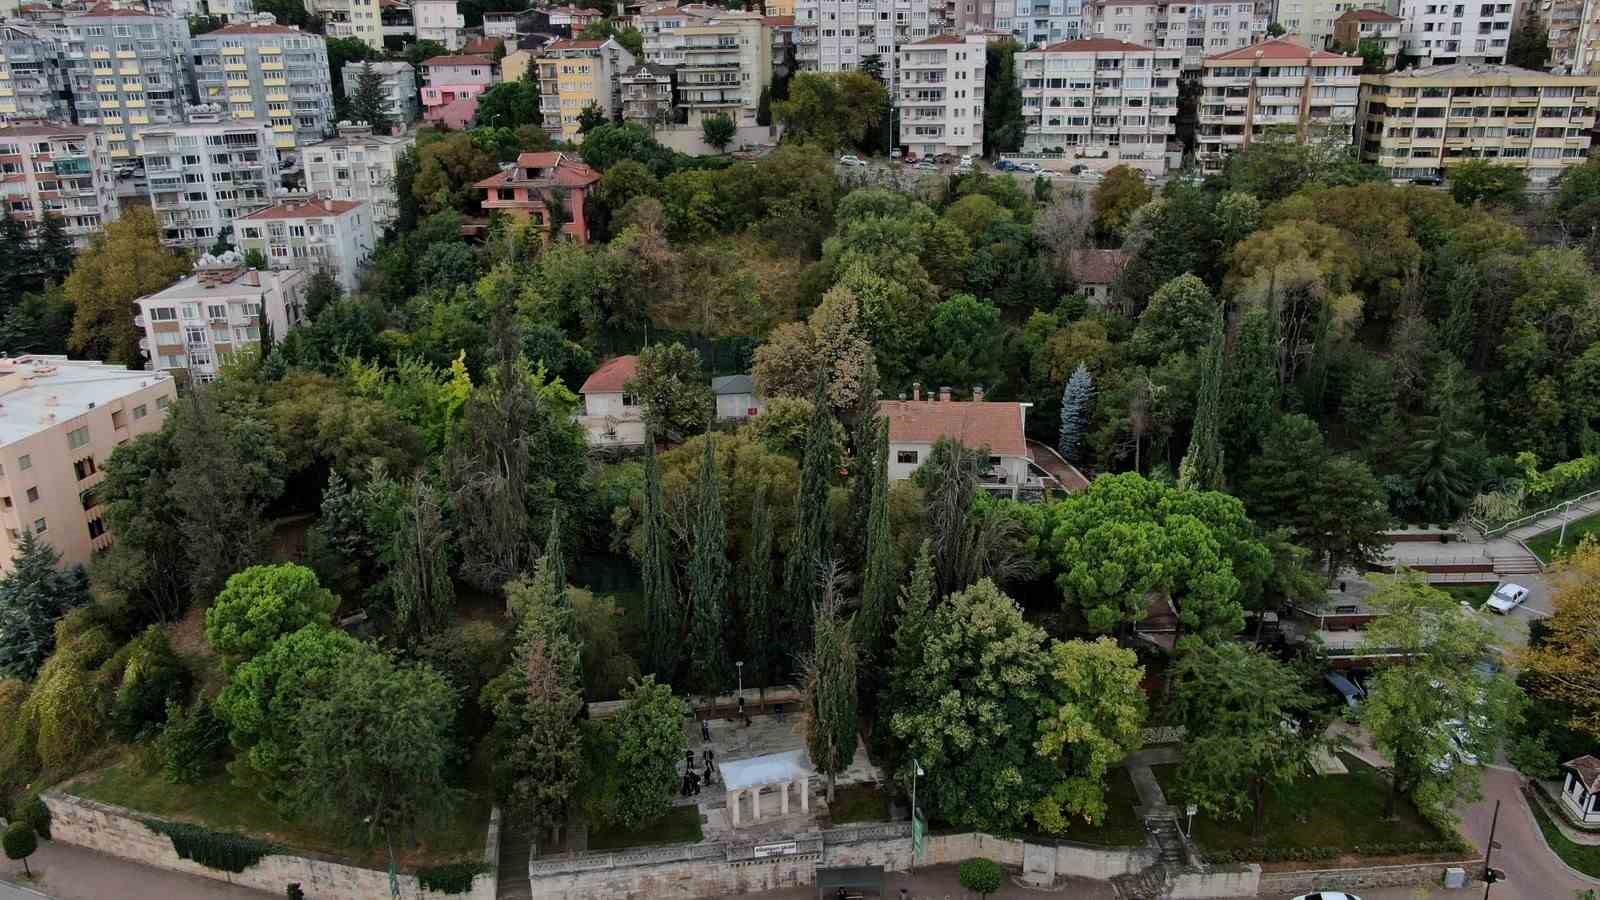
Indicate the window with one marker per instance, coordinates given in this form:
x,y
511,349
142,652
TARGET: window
x,y
164,314
39,526
77,437
140,412
163,402
96,528
33,495
24,462
906,457
119,419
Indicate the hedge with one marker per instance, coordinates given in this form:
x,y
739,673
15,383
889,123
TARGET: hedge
x,y
1310,854
455,878
220,850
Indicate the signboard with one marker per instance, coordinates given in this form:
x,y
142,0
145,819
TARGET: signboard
x,y
786,848
1192,810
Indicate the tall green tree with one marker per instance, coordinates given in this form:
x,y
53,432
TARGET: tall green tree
x,y
831,109
708,581
642,746
263,603
123,262
1077,407
879,576
367,103
1093,715
671,387
663,635
718,131
1201,469
1530,43
813,544
415,554
911,628
34,595
830,687
1003,126
760,636
1497,184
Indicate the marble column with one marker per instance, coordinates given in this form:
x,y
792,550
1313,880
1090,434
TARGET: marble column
x,y
755,804
783,805
805,793
733,808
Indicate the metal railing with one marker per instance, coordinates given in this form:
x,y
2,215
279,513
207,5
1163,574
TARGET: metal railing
x,y
1530,518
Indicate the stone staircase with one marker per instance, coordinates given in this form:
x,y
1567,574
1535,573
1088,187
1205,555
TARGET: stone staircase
x,y
515,846
1519,562
1163,827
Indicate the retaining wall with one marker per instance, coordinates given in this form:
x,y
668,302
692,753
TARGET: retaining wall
x,y
1365,878
122,833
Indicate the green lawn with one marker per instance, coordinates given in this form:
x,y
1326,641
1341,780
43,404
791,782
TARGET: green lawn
x,y
1545,544
1319,811
1583,857
858,803
681,825
1474,594
221,805
1121,827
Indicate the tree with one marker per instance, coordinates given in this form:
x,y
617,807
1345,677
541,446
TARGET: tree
x,y
1077,405
708,581
367,103
1530,43
1495,184
1122,191
646,743
1002,109
124,261
1093,716
872,65
38,323
972,537
671,387
830,686
813,544
263,603
1201,468
831,109
759,610
1374,59
1567,661
447,169
20,843
34,595
982,875
341,52
663,644
1426,695
414,553
718,131
830,348
879,576
1179,319
510,104
590,118
1250,729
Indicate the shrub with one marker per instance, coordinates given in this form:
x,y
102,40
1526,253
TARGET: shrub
x,y
63,714
32,811
151,677
220,850
1312,854
1532,756
20,842
192,743
981,875
455,878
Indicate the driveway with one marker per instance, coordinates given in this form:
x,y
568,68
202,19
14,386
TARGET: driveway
x,y
65,872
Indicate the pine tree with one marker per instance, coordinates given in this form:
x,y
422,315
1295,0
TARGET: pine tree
x,y
878,577
33,596
813,539
366,104
708,581
53,252
1077,404
663,641
757,606
830,687
554,554
1201,469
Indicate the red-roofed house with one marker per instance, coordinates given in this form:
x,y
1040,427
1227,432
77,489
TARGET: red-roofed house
x,y
529,187
916,424
1279,88
1096,270
1358,25
315,234
612,418
452,78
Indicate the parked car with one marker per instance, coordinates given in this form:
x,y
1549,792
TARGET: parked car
x,y
909,158
1032,168
895,153
1428,180
966,164
1506,597
1006,165
1091,175
1078,169
926,166
1346,689
945,159
850,159
1328,895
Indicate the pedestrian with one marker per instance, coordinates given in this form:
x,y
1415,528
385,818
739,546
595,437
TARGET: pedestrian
x,y
694,783
705,731
708,755
710,776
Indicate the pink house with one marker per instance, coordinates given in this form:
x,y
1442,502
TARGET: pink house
x,y
451,78
527,189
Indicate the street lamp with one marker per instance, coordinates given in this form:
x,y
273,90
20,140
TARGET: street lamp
x,y
740,665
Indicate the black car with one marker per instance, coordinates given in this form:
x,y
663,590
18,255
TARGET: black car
x,y
1428,181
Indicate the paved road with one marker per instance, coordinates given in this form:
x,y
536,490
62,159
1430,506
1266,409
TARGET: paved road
x,y
64,872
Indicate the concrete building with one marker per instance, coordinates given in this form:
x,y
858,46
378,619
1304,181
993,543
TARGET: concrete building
x,y
835,35
335,235
128,70
529,187
569,21
59,421
612,417
57,170
438,20
358,165
779,8
1108,97
399,89
203,175
1038,23
1196,28
1440,33
1312,22
737,398
1358,25
447,79
660,24
273,74
575,75
726,62
941,94
1276,88
647,95
33,84
915,425
1574,32
509,24
196,326
397,23
360,19
1416,123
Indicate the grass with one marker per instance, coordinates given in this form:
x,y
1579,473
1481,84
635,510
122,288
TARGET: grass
x,y
681,825
1474,594
1583,857
1546,544
1320,811
858,803
1121,826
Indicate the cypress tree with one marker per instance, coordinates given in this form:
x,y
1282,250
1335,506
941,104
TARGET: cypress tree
x,y
831,725
911,631
878,578
1251,396
708,580
1077,401
663,644
555,559
813,538
757,606
1201,469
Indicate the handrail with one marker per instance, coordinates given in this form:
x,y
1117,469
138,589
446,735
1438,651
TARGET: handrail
x,y
1531,517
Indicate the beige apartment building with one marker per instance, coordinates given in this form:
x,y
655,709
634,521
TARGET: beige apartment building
x,y
128,70
203,175
198,324
59,421
941,94
359,165
1274,89
1195,28
726,61
1313,22
57,170
1574,31
1102,98
312,234
1418,122
272,74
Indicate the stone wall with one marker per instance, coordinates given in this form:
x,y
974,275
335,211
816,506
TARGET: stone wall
x,y
1365,878
1225,881
122,833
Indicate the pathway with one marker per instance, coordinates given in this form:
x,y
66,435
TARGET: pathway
x,y
512,872
1160,819
1553,521
66,872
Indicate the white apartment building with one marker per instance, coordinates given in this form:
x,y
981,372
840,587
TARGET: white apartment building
x,y
358,165
1276,88
128,70
438,20
1574,31
399,89
1417,122
1197,28
205,174
360,19
60,419
313,234
1111,98
32,81
272,74
57,170
198,324
726,62
941,94
1037,23
834,35
1313,22
1439,33
661,25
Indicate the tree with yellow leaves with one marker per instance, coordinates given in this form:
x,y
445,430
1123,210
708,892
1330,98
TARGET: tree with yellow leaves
x,y
123,263
1566,663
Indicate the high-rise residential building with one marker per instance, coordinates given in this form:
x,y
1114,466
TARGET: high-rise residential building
x,y
941,94
207,173
1117,99
1574,33
196,325
438,20
33,84
1312,22
1037,23
647,95
128,70
358,165
448,80
836,35
661,25
1358,26
273,74
313,234
399,89
1440,33
360,19
1418,122
726,63
59,421
50,170
1276,89
1196,28
577,74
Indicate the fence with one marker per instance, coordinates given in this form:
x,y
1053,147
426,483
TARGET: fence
x,y
1496,530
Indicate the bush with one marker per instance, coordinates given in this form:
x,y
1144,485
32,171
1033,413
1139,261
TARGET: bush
x,y
455,878
63,716
151,677
1532,756
192,743
1312,854
20,841
32,811
981,875
264,603
220,850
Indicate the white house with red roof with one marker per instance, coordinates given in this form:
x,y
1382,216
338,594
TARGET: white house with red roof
x,y
534,186
611,417
915,425
1276,88
312,234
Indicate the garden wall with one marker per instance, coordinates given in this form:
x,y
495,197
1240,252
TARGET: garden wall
x,y
1365,878
122,833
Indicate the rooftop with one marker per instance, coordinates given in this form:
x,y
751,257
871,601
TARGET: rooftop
x,y
1369,15
565,172
304,209
724,385
778,21
995,425
43,129
1097,266
574,45
460,60
250,28
939,39
611,376
384,68
1275,49
106,10
1097,45
1587,768
221,282
1471,70
38,391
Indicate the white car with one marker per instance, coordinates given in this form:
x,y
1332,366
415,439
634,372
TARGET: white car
x,y
850,159
1506,597
1327,895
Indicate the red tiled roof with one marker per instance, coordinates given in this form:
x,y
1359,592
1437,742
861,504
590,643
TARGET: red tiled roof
x,y
540,160
1277,49
251,29
995,425
574,45
1587,768
565,172
462,60
1097,266
1096,45
309,209
611,376
481,45
941,39
778,21
1369,15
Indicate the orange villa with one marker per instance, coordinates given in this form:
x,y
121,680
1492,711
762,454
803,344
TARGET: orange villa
x,y
526,189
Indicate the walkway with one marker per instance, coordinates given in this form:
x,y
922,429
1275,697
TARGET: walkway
x,y
1553,521
65,872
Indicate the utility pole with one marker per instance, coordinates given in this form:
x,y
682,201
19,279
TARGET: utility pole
x,y
1488,853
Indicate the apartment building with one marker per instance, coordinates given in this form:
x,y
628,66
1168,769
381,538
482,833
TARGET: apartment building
x,y
1113,98
449,79
778,8
310,235
1037,23
196,326
1418,122
1276,88
33,84
572,20
510,24
1436,33
268,73
536,183
1574,33
661,25
358,165
647,95
941,94
128,70
1196,28
59,421
399,89
360,19
396,23
205,174
834,35
1356,26
726,62
57,170
438,20
577,74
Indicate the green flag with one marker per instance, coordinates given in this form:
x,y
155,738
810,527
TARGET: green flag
x,y
918,830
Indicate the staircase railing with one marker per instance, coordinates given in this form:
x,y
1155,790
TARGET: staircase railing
x,y
1565,506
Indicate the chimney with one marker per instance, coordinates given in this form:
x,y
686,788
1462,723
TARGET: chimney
x,y
916,390
977,393
327,203
944,394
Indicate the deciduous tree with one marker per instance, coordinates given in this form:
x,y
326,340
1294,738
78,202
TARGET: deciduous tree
x,y
124,261
1567,661
1122,191
831,109
263,603
718,131
673,390
1093,715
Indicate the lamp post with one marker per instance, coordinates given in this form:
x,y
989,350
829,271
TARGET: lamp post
x,y
740,701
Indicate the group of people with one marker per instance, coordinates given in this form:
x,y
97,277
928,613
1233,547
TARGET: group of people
x,y
693,781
